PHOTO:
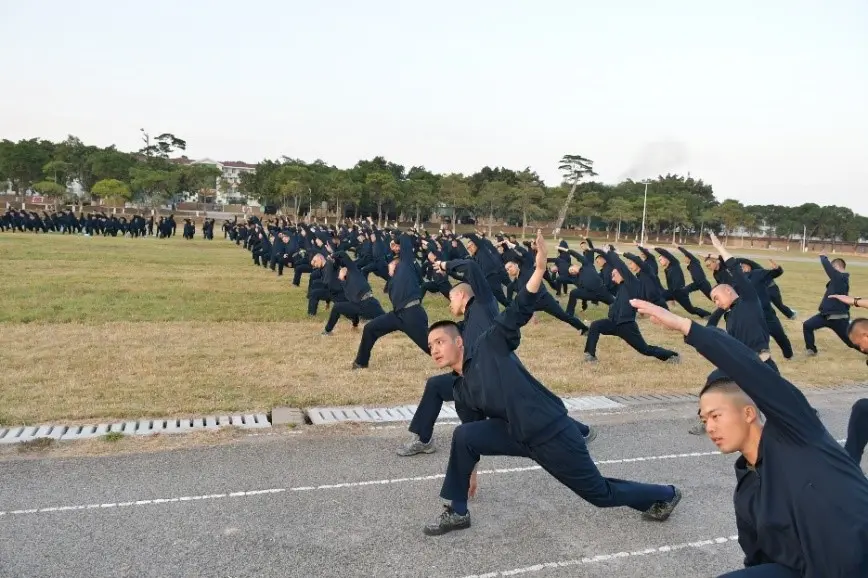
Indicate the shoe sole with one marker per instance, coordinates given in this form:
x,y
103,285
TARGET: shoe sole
x,y
425,451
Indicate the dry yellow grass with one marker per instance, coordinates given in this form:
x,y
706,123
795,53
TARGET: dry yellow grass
x,y
115,328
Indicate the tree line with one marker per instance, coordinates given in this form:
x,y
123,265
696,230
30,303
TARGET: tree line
x,y
676,206
147,176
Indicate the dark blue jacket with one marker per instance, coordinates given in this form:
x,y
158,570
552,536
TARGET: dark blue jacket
x,y
839,284
745,319
650,260
694,267
649,283
762,279
673,272
620,311
588,276
355,284
404,286
482,309
804,504
495,384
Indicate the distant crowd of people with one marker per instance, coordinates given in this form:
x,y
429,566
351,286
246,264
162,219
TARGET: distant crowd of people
x,y
99,224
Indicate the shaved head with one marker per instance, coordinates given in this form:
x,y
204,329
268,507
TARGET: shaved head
x,y
858,334
463,289
459,297
730,390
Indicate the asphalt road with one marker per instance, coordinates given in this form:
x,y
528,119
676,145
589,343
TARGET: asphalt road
x,y
342,504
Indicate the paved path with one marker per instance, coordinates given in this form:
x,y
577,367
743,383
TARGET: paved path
x,y
332,502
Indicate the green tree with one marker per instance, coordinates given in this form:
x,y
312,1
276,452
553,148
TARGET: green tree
x,y
382,188
164,146
112,189
153,185
492,195
617,211
455,193
731,214
574,169
528,195
49,188
198,179
22,162
110,163
589,205
57,171
342,189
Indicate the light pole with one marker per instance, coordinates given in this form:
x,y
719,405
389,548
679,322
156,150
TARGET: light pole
x,y
644,207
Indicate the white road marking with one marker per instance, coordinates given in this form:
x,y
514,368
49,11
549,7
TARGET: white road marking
x,y
341,485
605,557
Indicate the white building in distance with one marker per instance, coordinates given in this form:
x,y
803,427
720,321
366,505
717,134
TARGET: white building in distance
x,y
231,172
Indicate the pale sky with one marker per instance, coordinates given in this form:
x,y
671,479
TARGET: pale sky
x,y
766,100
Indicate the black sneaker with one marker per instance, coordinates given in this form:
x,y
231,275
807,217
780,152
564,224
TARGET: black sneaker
x,y
447,521
660,511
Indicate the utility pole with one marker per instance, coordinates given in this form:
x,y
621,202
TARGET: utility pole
x,y
644,207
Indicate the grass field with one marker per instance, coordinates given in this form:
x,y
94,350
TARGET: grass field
x,y
107,328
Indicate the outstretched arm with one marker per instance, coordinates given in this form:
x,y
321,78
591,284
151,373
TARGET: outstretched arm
x,y
777,398
851,301
507,325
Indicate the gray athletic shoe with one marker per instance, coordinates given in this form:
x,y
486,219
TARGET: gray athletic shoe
x,y
590,358
810,353
794,316
416,446
326,333
674,360
661,511
447,521
592,434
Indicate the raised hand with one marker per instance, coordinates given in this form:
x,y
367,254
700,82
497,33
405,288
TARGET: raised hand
x,y
541,251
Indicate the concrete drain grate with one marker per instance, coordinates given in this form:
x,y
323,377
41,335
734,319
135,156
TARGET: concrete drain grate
x,y
139,427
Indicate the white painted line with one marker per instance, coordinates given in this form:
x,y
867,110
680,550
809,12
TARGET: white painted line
x,y
341,485
606,557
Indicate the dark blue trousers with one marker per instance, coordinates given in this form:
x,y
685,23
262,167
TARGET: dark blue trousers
x,y
300,269
703,286
565,457
839,326
413,321
857,430
682,297
778,301
630,333
437,390
763,571
584,295
776,332
368,309
549,304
